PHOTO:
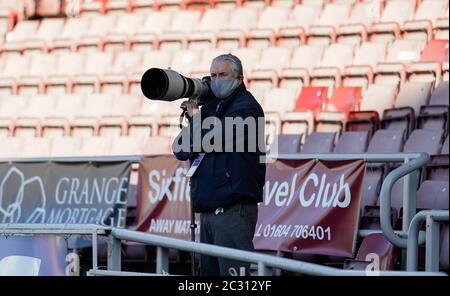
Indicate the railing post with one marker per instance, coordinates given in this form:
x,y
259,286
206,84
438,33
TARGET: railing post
x,y
162,260
432,245
263,270
114,253
385,199
94,250
409,198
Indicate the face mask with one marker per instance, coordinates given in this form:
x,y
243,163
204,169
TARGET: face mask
x,y
223,88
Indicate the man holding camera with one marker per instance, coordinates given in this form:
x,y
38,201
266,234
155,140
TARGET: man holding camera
x,y
227,181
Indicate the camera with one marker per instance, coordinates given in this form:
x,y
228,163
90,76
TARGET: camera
x,y
168,85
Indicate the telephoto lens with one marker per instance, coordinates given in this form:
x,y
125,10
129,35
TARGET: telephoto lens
x,y
168,85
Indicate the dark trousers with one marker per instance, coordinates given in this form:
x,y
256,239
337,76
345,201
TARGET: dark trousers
x,y
234,227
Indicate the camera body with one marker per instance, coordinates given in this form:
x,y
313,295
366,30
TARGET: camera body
x,y
169,85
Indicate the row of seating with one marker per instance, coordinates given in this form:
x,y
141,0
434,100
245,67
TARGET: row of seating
x,y
174,31
307,65
417,105
15,147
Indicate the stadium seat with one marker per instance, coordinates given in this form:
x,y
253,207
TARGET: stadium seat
x,y
390,74
433,195
363,121
13,106
99,27
319,143
286,143
248,56
298,122
420,28
175,36
436,51
11,147
267,70
71,32
241,20
146,37
394,14
444,149
443,259
280,100
204,35
95,146
202,68
429,141
329,70
304,59
271,19
424,72
48,29
125,27
378,97
361,72
36,147
355,28
334,114
126,145
157,145
407,106
386,141
324,30
373,244
22,32
352,142
65,146
311,99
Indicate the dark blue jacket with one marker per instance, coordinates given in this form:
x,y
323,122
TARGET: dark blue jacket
x,y
223,178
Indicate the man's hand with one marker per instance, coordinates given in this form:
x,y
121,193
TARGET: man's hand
x,y
190,107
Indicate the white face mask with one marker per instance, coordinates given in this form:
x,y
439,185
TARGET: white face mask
x,y
223,88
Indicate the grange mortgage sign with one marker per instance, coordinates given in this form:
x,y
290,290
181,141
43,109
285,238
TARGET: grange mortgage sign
x,y
64,192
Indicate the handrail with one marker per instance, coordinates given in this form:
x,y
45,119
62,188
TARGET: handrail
x,y
413,233
263,260
385,198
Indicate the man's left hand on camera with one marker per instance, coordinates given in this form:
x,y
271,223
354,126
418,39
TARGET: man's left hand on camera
x,y
190,107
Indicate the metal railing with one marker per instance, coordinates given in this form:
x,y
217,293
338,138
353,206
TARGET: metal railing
x,y
116,235
408,170
432,218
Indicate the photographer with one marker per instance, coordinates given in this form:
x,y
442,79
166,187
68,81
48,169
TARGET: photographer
x,y
226,183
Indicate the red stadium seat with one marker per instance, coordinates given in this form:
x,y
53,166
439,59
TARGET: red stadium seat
x,y
436,51
344,99
363,121
311,98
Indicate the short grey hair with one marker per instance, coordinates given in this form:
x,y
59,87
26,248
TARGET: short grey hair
x,y
235,62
